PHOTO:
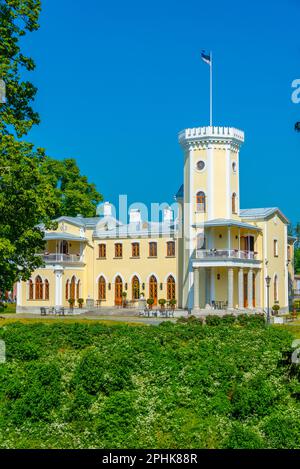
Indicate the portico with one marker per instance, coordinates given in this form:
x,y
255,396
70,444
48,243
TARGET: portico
x,y
227,287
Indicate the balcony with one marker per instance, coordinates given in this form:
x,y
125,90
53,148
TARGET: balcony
x,y
226,254
66,258
296,294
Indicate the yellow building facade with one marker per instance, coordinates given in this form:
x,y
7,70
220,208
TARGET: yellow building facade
x,y
214,255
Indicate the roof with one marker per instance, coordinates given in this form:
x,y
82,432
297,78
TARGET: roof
x,y
136,229
179,194
89,222
228,222
261,213
67,236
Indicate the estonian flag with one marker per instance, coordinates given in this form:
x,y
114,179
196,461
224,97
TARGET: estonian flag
x,y
206,57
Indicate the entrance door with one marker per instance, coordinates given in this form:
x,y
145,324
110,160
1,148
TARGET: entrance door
x,y
245,290
153,289
118,291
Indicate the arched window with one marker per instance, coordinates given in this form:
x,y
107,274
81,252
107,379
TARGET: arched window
x,y
153,289
275,288
200,202
171,288
38,288
46,290
135,288
72,289
78,290
118,291
233,203
64,248
101,288
30,289
67,289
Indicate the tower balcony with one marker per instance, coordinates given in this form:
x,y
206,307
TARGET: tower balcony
x,y
225,257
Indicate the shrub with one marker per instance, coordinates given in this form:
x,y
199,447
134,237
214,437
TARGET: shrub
x,y
213,320
228,319
242,437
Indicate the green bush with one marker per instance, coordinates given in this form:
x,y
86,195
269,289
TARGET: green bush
x,y
228,319
213,320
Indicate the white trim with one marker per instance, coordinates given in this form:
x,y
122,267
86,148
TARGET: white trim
x,y
101,275
150,275
19,293
273,284
135,274
228,185
168,275
210,164
286,270
265,258
118,275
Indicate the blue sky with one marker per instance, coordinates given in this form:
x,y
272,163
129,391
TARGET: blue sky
x,y
118,80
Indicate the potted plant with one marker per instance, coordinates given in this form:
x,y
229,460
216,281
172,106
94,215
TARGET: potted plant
x,y
124,295
80,302
162,303
150,302
275,309
172,303
71,302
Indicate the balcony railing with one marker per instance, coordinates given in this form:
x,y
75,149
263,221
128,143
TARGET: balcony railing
x,y
296,293
225,254
62,258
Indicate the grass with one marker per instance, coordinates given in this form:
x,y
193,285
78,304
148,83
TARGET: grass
x,y
10,309
4,322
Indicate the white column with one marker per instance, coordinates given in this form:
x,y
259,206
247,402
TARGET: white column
x,y
212,284
19,294
250,289
58,271
196,289
257,289
229,238
230,288
207,286
241,288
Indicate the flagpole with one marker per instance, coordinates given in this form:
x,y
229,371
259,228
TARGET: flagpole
x,y
211,90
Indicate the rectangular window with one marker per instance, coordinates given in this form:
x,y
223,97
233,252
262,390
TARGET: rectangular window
x,y
275,248
135,249
102,250
171,248
152,249
118,250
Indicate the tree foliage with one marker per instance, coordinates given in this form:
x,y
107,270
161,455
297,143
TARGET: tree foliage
x,y
33,188
74,194
26,199
184,385
17,18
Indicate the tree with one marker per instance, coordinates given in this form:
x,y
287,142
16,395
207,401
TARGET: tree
x,y
74,194
26,200
17,17
30,196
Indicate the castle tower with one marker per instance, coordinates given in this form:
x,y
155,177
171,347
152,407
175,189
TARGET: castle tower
x,y
211,187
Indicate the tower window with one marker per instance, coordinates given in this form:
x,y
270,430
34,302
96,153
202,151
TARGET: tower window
x,y
233,200
234,166
275,247
200,165
200,202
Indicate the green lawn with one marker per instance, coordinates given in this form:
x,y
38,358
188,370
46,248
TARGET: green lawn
x,y
93,385
10,309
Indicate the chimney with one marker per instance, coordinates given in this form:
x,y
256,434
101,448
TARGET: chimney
x,y
168,214
135,216
104,210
